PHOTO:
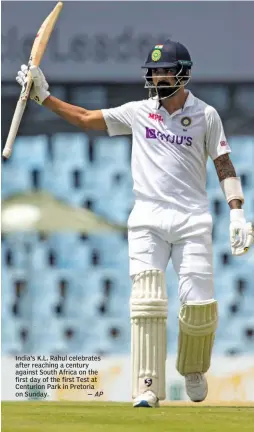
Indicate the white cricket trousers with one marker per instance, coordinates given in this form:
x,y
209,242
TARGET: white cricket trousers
x,y
158,231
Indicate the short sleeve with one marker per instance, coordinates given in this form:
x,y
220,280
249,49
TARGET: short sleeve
x,y
119,120
216,142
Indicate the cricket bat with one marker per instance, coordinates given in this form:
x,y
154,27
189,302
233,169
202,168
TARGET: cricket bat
x,y
38,49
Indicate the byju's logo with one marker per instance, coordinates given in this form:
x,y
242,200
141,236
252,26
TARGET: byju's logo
x,y
150,133
172,139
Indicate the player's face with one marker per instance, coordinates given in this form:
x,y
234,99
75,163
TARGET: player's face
x,y
163,77
164,81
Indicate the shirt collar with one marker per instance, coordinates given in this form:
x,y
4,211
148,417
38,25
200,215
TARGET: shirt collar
x,y
189,102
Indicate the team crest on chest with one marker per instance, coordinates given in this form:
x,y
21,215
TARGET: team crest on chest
x,y
186,121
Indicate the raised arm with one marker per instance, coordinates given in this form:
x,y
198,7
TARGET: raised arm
x,y
80,117
75,115
117,121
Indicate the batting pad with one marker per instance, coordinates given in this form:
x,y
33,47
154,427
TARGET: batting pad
x,y
197,326
149,309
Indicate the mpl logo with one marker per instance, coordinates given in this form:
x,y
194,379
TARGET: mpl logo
x,y
155,117
172,139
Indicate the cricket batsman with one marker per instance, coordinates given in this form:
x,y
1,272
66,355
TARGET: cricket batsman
x,y
173,134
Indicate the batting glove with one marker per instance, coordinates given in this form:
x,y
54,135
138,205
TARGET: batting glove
x,y
249,241
39,91
238,231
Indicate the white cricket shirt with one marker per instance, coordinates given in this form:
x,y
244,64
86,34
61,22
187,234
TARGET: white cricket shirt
x,y
169,152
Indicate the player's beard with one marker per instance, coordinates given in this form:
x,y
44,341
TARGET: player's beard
x,y
164,91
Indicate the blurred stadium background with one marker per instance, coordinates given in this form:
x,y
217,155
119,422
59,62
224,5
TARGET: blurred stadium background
x,y
68,292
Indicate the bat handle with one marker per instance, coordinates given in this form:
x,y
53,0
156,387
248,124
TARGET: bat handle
x,y
24,95
18,114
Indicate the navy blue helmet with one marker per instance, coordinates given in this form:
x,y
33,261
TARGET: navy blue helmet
x,y
171,56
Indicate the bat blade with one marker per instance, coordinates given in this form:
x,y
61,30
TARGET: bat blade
x,y
37,52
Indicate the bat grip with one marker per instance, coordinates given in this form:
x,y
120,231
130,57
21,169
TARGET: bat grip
x,y
25,92
18,114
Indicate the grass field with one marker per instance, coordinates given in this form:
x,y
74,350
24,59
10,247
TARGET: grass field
x,y
115,417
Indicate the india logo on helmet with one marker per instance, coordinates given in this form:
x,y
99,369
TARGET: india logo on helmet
x,y
156,55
